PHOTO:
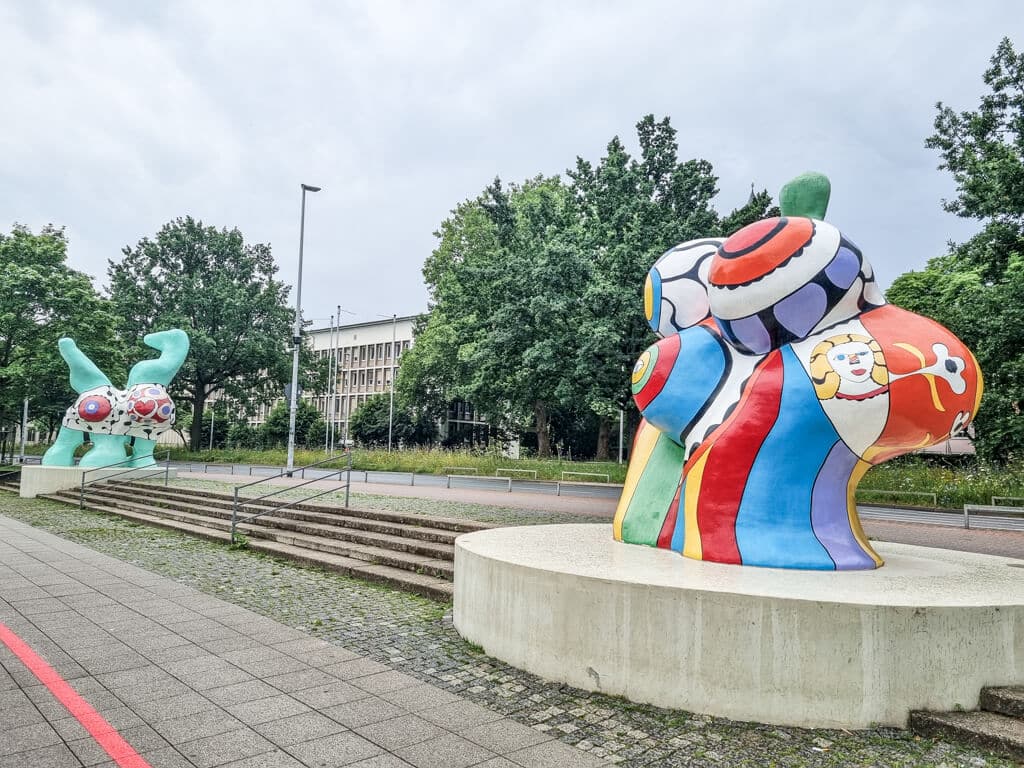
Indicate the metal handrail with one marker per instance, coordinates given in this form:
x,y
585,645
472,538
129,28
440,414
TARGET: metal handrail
x,y
235,520
993,508
151,473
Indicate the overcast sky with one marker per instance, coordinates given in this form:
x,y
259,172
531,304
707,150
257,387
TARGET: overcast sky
x,y
118,117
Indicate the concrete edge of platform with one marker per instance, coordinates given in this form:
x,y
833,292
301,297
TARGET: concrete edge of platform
x,y
559,602
38,479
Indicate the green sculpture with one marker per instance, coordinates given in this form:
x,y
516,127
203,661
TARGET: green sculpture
x,y
110,418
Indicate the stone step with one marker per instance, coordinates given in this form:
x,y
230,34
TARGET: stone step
x,y
399,578
987,730
458,525
434,566
160,496
332,526
1004,701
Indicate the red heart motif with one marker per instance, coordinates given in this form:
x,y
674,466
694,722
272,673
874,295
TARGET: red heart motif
x,y
144,407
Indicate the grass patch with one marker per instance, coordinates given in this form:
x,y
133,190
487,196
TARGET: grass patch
x,y
953,485
420,461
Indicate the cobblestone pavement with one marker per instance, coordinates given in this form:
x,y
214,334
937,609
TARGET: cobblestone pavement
x,y
415,636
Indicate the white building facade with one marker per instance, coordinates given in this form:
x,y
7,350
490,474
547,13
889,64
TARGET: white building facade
x,y
366,360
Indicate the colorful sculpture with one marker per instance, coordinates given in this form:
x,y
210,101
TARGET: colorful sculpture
x,y
112,418
781,376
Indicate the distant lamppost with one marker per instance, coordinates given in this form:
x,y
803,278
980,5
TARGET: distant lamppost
x,y
297,337
394,359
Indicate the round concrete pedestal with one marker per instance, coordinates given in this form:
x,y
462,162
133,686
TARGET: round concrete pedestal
x,y
816,649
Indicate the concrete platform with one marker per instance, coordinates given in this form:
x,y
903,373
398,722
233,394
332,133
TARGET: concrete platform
x,y
813,649
37,479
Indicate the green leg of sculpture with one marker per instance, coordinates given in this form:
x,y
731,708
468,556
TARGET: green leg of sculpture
x,y
62,452
106,450
142,453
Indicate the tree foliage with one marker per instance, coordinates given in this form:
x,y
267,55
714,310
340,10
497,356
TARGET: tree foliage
x,y
977,289
371,420
223,293
41,300
309,425
536,312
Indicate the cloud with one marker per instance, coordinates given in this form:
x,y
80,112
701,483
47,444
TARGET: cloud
x,y
122,116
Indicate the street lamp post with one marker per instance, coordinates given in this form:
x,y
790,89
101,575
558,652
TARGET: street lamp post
x,y
327,399
394,358
297,336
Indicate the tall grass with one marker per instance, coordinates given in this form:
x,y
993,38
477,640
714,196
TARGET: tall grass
x,y
972,483
422,461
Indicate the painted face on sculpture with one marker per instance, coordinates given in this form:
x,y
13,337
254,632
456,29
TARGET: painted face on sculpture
x,y
852,361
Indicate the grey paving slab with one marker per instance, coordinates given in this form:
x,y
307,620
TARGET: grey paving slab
x,y
554,754
419,697
504,736
224,748
459,716
271,708
382,761
371,709
298,728
194,726
335,751
448,751
56,756
329,694
400,732
359,667
274,759
23,738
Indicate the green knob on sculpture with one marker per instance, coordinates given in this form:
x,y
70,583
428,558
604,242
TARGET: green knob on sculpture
x,y
806,195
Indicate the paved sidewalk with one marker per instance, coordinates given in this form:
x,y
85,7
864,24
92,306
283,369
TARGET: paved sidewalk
x,y
190,680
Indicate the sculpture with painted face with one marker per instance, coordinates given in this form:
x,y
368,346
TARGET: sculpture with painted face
x,y
766,402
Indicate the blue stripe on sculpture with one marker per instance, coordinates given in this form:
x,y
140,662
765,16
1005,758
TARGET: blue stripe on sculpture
x,y
695,376
773,527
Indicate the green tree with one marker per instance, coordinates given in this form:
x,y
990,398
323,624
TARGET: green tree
x,y
309,425
977,289
371,420
503,283
41,300
536,312
223,293
629,212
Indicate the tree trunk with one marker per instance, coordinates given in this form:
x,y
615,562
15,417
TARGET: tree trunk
x,y
540,415
603,433
196,431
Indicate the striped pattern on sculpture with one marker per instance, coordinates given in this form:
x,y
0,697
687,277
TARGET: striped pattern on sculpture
x,y
761,415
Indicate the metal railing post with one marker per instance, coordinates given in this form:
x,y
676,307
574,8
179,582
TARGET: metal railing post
x,y
348,479
234,516
81,495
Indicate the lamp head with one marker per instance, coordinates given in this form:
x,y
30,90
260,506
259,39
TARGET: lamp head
x,y
310,188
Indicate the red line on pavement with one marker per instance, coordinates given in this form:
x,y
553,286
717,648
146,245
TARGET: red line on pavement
x,y
113,744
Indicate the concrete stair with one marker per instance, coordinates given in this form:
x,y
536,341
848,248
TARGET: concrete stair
x,y
409,552
998,726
